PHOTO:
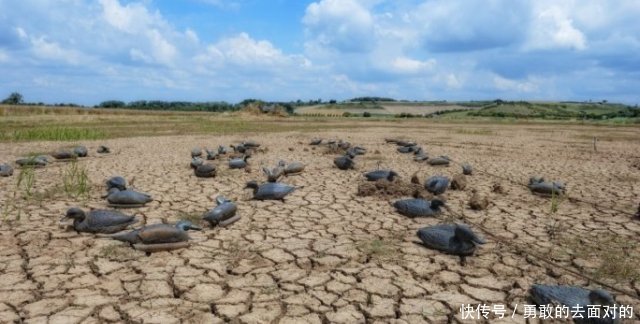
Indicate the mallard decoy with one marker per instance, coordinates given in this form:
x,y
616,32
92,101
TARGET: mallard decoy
x,y
418,207
5,170
381,174
127,198
158,237
437,185
270,190
538,185
457,239
223,214
573,296
99,220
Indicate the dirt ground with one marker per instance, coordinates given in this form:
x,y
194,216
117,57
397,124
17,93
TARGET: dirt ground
x,y
326,255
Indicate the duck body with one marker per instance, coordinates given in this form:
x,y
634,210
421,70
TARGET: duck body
x,y
100,220
571,296
223,214
128,197
437,185
381,174
418,207
6,170
344,162
270,190
157,234
455,239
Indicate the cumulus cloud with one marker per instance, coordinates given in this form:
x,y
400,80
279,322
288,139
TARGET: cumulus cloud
x,y
552,28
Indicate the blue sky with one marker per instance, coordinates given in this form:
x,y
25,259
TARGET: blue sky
x,y
85,52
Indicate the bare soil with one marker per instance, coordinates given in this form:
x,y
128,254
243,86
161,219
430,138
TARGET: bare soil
x,y
327,254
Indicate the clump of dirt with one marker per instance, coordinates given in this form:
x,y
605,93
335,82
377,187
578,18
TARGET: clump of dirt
x,y
637,215
459,182
636,164
392,189
498,188
415,179
478,201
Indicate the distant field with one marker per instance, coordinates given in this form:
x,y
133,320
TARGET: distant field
x,y
380,108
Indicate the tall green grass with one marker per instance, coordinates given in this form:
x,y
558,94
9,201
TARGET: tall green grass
x,y
75,181
55,134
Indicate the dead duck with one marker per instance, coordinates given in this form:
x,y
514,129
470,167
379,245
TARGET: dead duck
x,y
456,239
99,220
573,296
270,190
418,207
223,214
158,237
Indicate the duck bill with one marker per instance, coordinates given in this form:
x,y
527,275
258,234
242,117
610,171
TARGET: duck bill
x,y
65,222
194,228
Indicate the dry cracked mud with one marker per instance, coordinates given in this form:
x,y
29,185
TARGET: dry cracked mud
x,y
325,255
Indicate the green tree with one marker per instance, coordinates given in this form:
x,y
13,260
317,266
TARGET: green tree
x,y
14,98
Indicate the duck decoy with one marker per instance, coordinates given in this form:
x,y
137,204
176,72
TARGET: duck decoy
x,y
270,190
456,239
196,162
116,182
294,168
34,161
344,162
250,144
196,152
405,149
103,149
391,140
211,154
406,143
274,174
437,185
238,163
381,174
127,198
64,155
467,169
418,207
80,151
441,160
239,148
5,170
158,237
223,214
99,220
538,185
572,296
316,141
357,150
206,170
222,150
344,145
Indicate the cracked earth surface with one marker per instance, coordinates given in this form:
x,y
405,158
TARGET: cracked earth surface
x,y
325,254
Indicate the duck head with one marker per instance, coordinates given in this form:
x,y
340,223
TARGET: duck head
x,y
601,297
392,175
221,200
253,185
436,204
186,225
76,214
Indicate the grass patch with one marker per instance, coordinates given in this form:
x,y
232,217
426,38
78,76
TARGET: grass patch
x,y
26,180
75,181
117,253
380,250
466,131
57,134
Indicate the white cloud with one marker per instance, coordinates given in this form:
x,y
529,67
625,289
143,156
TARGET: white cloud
x,y
344,25
504,84
411,66
553,28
